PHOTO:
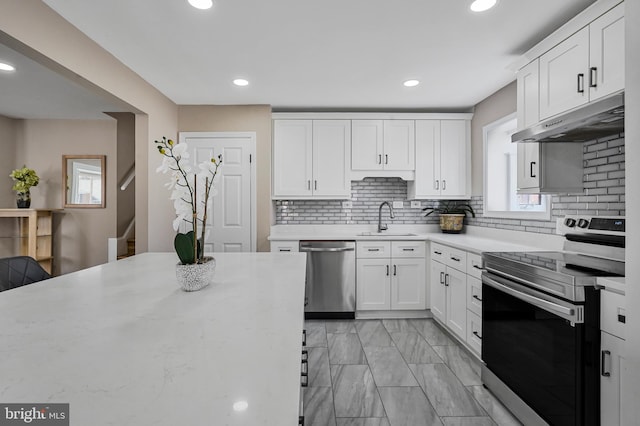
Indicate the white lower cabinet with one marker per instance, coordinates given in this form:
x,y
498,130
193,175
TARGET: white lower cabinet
x,y
456,293
390,275
612,324
285,246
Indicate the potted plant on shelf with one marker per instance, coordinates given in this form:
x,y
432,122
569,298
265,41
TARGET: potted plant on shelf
x,y
190,195
25,178
452,214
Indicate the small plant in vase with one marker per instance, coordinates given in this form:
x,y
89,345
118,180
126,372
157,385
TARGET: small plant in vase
x,y
190,193
452,214
25,178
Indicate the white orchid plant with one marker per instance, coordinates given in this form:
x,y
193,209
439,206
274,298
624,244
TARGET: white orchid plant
x,y
190,193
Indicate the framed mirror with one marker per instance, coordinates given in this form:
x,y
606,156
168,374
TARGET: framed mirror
x,y
85,183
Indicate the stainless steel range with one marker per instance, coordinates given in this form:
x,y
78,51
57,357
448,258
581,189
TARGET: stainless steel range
x,y
541,323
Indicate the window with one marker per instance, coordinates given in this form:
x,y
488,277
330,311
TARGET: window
x,y
501,176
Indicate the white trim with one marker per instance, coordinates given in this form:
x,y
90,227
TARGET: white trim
x,y
370,116
545,215
239,135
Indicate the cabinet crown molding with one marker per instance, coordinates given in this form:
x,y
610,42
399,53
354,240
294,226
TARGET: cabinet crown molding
x,y
371,116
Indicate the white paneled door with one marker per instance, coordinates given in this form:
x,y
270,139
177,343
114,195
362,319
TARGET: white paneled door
x,y
231,223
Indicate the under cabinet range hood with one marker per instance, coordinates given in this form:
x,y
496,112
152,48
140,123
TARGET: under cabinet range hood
x,y
594,120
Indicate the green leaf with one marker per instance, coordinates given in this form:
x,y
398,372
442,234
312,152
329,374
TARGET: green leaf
x,y
183,243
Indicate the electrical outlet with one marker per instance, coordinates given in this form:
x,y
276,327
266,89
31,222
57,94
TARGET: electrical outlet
x,y
415,204
398,204
347,204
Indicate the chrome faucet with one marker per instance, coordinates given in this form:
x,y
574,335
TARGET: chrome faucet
x,y
383,226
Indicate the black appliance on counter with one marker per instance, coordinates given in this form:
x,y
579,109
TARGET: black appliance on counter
x,y
541,323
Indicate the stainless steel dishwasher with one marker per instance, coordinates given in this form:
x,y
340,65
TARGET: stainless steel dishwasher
x,y
330,288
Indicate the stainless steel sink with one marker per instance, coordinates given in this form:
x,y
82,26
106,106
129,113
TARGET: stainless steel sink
x,y
386,234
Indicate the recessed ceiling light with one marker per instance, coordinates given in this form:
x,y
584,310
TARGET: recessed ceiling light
x,y
240,405
411,83
201,4
240,82
6,67
482,5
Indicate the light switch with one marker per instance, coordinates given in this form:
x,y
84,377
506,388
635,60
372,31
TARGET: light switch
x,y
398,204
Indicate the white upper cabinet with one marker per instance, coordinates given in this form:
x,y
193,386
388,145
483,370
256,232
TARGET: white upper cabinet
x,y
311,159
584,67
366,145
443,160
528,97
563,75
528,166
292,158
382,145
332,158
606,54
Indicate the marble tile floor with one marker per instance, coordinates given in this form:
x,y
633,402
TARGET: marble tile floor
x,y
394,373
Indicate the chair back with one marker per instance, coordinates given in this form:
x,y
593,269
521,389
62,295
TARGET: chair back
x,y
20,270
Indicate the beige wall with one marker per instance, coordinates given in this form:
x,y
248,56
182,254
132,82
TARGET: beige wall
x,y
242,118
8,129
80,235
35,30
496,106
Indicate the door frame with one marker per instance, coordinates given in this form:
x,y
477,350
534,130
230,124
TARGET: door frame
x,y
252,167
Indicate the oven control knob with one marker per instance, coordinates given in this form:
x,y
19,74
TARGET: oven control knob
x,y
570,222
583,223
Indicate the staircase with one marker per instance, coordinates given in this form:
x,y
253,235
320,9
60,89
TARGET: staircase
x,y
131,249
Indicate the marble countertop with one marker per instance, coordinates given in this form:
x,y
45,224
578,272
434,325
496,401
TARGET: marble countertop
x,y
124,345
472,243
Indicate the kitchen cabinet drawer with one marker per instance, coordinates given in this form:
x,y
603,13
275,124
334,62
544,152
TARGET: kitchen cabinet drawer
x,y
408,249
439,252
613,313
474,295
474,331
457,259
284,246
373,249
474,265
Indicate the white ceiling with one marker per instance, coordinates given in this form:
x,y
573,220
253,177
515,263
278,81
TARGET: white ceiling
x,y
331,55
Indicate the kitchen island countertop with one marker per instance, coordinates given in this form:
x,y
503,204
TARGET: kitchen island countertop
x,y
124,345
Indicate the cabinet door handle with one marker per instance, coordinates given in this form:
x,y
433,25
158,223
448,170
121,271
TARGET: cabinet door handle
x,y
581,83
309,185
475,333
315,184
387,270
386,159
593,77
395,270
304,337
531,166
477,298
606,372
407,249
379,158
284,249
446,280
444,185
437,184
373,249
478,267
441,277
437,252
455,259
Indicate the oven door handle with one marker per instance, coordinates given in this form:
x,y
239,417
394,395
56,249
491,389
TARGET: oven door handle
x,y
546,305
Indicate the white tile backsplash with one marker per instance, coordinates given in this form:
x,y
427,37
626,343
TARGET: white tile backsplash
x,y
604,195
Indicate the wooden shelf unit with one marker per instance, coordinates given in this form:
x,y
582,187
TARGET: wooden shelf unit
x,y
35,234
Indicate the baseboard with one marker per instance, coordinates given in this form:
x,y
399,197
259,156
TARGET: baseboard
x,y
394,314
